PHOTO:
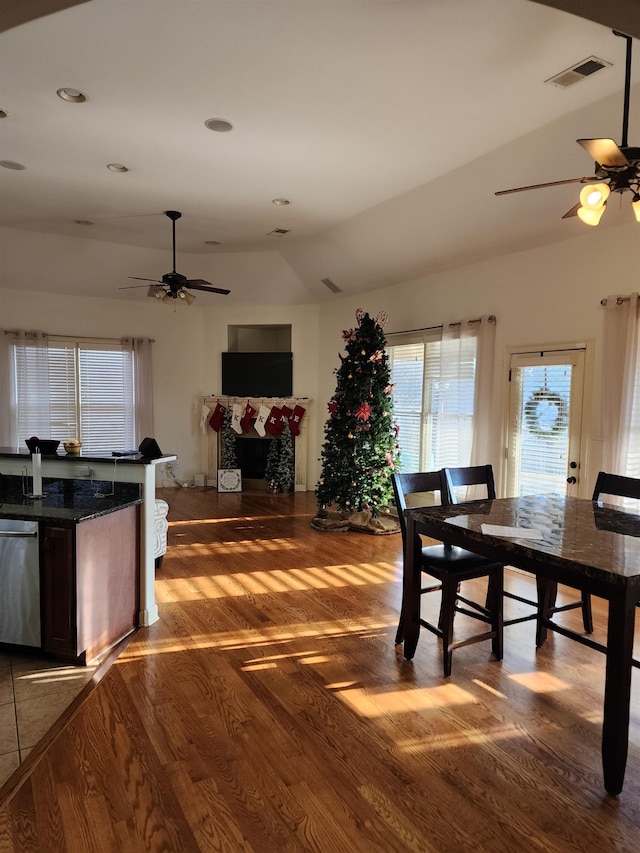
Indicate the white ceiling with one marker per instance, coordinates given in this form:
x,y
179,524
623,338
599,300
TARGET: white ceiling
x,y
388,125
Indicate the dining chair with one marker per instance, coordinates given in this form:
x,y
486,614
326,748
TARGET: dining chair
x,y
606,484
450,566
475,476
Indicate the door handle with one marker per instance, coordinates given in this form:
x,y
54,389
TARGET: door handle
x,y
571,480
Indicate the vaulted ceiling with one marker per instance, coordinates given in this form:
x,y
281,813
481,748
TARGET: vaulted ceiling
x,y
388,126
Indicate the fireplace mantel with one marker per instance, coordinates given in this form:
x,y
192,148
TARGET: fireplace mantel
x,y
301,441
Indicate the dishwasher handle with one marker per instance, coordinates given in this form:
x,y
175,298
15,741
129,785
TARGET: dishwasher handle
x,y
18,534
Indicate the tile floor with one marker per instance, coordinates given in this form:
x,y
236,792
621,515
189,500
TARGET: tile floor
x,y
34,692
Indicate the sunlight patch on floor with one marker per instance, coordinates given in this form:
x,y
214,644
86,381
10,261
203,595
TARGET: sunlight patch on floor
x,y
463,739
253,638
539,682
245,546
54,675
279,580
491,690
370,704
232,519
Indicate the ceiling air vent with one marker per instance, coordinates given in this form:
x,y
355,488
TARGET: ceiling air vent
x,y
278,232
578,72
333,287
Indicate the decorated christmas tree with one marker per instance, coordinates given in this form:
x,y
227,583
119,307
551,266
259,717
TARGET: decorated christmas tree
x,y
360,449
228,458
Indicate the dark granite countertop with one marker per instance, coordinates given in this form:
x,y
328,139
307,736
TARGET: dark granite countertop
x,y
23,453
65,501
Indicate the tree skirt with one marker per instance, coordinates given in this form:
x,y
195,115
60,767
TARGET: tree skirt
x,y
362,522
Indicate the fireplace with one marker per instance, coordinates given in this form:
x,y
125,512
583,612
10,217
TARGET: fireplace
x,y
251,454
251,448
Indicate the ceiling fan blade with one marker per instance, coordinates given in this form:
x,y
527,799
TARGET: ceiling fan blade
x,y
200,284
134,286
548,184
604,151
573,211
137,278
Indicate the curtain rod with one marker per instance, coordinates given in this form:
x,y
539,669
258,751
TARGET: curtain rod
x,y
491,319
33,334
619,300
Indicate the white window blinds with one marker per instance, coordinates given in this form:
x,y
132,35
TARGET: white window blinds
x,y
90,394
406,363
433,398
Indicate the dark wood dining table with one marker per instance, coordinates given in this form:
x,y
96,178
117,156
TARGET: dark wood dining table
x,y
582,544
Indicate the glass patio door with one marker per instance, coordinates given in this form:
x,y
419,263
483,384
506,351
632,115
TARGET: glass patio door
x,y
545,420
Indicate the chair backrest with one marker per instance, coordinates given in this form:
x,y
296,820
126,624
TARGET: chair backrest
x,y
409,484
475,475
615,484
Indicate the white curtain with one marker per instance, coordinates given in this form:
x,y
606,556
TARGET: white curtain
x,y
466,379
23,358
140,349
620,391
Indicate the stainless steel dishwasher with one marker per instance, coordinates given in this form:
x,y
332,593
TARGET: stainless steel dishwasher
x,y
19,583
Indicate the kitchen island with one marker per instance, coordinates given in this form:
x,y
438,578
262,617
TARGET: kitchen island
x,y
69,566
112,470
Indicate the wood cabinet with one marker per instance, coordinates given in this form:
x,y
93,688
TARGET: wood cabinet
x,y
89,584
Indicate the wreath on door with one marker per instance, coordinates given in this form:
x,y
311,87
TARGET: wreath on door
x,y
532,414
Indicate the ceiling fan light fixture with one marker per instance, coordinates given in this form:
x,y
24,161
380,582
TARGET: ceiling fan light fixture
x,y
594,196
167,298
189,298
590,216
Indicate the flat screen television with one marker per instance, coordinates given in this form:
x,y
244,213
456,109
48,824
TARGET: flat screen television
x,y
257,374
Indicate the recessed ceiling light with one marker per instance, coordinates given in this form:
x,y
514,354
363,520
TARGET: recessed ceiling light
x,y
211,243
3,114
83,222
74,96
280,201
11,164
117,167
220,125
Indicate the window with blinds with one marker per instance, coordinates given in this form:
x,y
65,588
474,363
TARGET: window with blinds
x,y
90,390
433,399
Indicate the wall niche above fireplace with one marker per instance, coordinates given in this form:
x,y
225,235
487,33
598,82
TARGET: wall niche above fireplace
x,y
259,338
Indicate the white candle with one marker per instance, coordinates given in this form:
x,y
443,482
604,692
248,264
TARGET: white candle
x,y
36,460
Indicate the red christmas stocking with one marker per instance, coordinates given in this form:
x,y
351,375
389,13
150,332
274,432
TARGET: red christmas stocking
x,y
274,425
294,420
249,413
215,421
286,415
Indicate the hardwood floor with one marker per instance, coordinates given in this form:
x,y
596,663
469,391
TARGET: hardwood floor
x,y
268,710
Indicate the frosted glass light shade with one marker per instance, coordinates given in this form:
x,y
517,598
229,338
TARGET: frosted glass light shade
x,y
593,196
590,216
635,204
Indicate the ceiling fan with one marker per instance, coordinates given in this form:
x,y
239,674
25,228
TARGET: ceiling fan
x,y
617,167
173,285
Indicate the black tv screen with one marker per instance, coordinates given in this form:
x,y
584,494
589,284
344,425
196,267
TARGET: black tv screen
x,y
257,374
